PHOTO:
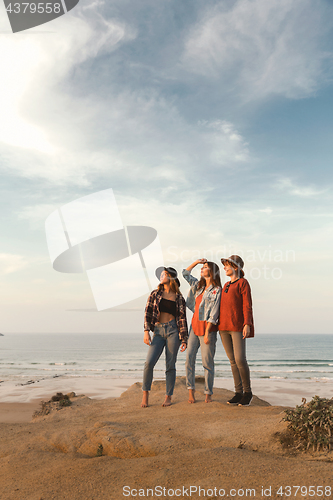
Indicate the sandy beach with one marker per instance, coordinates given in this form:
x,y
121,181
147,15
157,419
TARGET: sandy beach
x,y
18,402
275,391
180,447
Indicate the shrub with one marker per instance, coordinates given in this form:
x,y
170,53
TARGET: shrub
x,y
65,402
55,403
63,399
311,424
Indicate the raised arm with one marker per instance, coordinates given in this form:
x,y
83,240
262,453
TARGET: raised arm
x,y
187,272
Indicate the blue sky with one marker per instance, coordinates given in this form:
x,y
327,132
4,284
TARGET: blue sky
x,y
212,123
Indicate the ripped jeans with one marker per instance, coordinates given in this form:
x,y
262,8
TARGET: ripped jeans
x,y
165,336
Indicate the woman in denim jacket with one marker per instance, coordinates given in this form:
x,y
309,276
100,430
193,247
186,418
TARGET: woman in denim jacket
x,y
204,301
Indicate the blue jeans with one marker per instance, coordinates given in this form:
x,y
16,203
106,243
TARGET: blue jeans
x,y
207,355
165,335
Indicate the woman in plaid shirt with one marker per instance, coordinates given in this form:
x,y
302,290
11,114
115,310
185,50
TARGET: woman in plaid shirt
x,y
165,315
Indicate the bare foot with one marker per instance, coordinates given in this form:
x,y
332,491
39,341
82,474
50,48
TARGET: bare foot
x,y
191,397
144,402
167,401
208,398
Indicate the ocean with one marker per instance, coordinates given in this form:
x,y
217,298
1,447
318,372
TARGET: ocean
x,y
28,357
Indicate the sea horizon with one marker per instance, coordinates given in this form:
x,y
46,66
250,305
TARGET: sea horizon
x,y
31,356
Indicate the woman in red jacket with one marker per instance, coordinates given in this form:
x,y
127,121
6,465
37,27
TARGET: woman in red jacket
x,y
235,325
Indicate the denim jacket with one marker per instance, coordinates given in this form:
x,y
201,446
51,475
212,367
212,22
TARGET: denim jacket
x,y
209,309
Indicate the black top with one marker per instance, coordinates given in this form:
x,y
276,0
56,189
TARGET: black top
x,y
168,306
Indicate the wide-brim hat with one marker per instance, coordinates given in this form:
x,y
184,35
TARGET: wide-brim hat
x,y
172,272
236,260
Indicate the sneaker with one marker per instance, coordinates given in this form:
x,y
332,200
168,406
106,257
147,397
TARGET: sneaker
x,y
246,399
236,399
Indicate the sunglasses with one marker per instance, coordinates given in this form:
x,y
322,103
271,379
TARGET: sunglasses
x,y
227,287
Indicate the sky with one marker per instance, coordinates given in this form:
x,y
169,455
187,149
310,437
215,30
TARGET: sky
x,y
210,120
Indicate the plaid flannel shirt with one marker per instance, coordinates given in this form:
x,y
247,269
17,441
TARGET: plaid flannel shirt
x,y
152,313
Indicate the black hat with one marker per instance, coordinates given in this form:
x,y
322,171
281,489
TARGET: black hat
x,y
170,270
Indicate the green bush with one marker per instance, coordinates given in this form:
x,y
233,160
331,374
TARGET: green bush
x,y
311,424
65,402
63,399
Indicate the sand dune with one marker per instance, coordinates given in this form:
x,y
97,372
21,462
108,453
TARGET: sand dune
x,y
212,446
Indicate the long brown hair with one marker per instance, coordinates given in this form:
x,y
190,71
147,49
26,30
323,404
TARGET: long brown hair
x,y
173,284
214,274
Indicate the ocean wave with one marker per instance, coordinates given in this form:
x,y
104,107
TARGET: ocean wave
x,y
61,364
309,360
291,371
290,364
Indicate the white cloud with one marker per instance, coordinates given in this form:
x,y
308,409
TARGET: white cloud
x,y
267,210
260,47
93,5
34,65
19,59
37,214
227,144
70,136
11,263
143,135
286,184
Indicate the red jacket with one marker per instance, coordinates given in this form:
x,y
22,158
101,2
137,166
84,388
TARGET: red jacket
x,y
236,307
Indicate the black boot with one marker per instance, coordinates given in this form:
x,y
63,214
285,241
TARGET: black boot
x,y
236,399
246,399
